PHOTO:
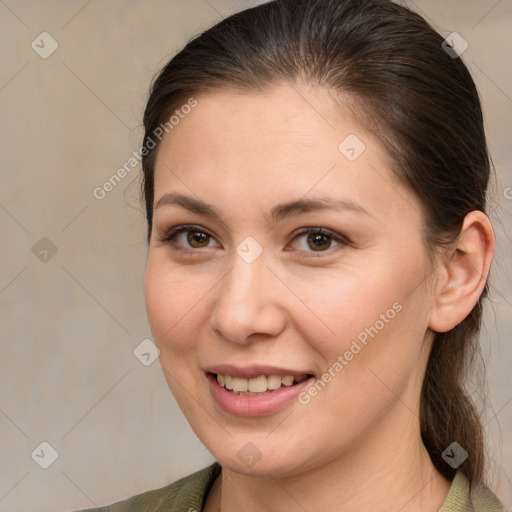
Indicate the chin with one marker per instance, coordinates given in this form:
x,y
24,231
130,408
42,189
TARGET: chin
x,y
261,459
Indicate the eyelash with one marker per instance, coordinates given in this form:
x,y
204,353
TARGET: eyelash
x,y
170,236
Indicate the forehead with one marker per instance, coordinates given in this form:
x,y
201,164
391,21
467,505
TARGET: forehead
x,y
287,141
288,123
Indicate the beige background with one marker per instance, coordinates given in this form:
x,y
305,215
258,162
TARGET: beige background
x,y
68,375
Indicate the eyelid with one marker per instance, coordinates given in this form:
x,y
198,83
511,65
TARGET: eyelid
x,y
323,231
169,236
340,239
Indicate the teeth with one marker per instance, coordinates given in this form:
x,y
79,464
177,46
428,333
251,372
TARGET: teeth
x,y
240,384
257,385
287,380
274,381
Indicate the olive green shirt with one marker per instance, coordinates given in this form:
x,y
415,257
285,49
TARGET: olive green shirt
x,y
189,495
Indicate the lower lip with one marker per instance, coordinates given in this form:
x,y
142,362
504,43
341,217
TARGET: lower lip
x,y
256,405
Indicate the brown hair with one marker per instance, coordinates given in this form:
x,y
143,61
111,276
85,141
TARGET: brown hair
x,y
419,100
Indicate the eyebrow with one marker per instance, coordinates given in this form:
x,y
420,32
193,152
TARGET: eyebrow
x,y
277,213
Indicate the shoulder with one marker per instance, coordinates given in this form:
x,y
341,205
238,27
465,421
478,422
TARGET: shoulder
x,y
186,494
463,496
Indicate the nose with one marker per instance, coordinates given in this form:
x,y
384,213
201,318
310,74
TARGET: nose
x,y
247,305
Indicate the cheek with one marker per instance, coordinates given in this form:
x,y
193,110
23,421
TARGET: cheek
x,y
170,300
342,305
172,304
372,318
376,350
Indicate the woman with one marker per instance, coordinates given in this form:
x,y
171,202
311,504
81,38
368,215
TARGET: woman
x,y
315,176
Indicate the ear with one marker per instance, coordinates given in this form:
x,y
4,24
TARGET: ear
x,y
463,272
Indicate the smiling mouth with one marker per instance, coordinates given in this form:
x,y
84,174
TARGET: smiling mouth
x,y
257,385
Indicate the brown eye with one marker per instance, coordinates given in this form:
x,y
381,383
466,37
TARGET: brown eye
x,y
311,240
319,242
188,237
197,239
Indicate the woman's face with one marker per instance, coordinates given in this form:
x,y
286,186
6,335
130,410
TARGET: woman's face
x,y
245,293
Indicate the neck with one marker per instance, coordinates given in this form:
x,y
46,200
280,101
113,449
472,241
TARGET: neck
x,y
391,471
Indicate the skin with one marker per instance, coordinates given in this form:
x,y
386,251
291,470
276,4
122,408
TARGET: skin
x,y
244,154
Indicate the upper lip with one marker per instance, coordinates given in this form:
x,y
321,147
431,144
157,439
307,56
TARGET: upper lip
x,y
252,371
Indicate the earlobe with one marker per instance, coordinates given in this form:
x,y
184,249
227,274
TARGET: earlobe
x,y
464,272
